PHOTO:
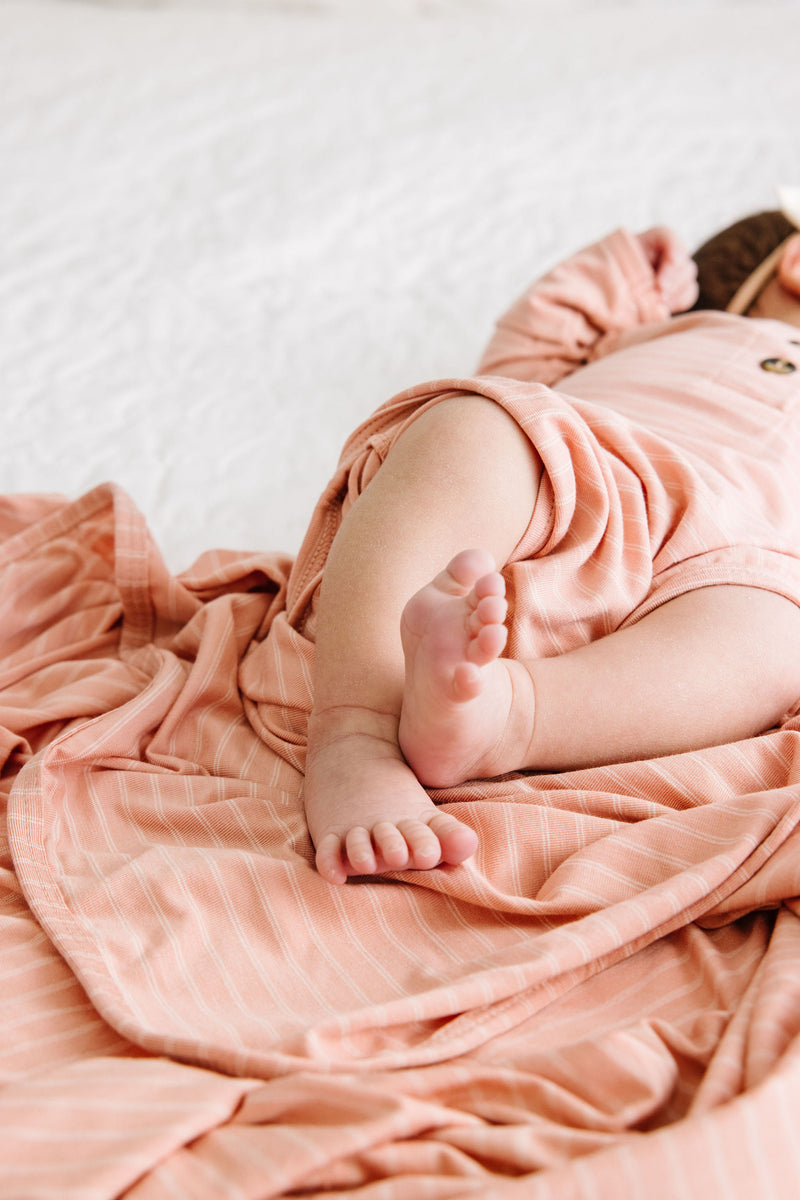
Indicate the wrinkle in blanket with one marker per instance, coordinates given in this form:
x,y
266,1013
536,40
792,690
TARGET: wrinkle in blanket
x,y
589,999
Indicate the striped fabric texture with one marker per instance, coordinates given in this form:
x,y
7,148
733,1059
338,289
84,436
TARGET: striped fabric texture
x,y
604,1001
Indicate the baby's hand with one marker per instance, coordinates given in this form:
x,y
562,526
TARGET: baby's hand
x,y
673,267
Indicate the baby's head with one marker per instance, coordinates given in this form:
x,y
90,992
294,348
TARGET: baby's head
x,y
752,267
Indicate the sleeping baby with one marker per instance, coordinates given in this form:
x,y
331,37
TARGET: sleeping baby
x,y
588,553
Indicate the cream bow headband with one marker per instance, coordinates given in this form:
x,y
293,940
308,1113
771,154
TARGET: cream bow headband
x,y
789,201
745,296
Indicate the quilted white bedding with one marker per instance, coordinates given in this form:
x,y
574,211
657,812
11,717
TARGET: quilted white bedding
x,y
229,231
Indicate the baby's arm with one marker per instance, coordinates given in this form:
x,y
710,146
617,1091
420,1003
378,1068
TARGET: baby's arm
x,y
616,284
711,666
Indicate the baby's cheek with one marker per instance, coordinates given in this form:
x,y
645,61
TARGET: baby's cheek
x,y
789,265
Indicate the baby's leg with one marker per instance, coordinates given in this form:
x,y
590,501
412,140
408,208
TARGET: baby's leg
x,y
462,474
714,665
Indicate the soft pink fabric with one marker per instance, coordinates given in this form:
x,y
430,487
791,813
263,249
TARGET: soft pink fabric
x,y
604,1002
676,461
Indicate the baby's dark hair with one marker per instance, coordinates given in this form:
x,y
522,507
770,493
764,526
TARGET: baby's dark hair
x,y
729,258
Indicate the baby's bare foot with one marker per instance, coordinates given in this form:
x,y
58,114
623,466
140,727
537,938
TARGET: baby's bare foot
x,y
458,692
367,812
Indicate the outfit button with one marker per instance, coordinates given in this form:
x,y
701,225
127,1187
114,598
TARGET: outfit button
x,y
778,366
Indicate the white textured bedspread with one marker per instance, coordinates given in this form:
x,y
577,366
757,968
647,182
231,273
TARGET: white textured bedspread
x,y
229,231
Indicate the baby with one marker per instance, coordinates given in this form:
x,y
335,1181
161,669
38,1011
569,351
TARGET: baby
x,y
645,520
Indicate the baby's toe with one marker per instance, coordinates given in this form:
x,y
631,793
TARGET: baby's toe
x,y
391,845
423,844
329,859
358,847
491,584
491,610
457,841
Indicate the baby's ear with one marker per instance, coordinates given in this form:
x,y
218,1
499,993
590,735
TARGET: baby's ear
x,y
789,265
